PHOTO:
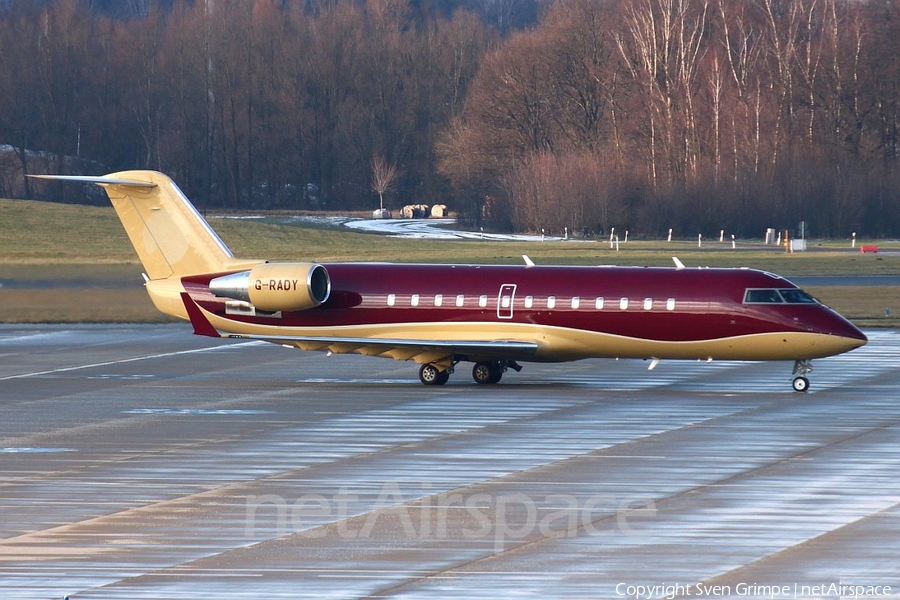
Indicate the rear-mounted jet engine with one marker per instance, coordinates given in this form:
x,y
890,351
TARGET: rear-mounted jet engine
x,y
276,286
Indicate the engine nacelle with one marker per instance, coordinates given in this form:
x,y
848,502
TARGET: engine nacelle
x,y
276,286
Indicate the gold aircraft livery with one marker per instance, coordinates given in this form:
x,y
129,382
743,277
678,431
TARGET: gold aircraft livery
x,y
442,315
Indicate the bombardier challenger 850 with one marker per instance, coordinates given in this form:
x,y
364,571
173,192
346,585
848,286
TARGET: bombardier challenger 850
x,y
441,315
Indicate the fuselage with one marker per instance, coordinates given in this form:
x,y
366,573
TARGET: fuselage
x,y
568,312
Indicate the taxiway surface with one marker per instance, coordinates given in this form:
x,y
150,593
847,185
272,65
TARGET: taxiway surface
x,y
145,462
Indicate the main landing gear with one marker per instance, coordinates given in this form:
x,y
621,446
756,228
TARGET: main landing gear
x,y
487,373
484,373
431,375
801,369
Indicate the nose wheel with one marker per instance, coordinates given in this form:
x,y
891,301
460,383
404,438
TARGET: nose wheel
x,y
800,384
801,369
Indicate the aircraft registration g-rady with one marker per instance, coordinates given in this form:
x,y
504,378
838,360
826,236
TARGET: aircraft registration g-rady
x,y
441,315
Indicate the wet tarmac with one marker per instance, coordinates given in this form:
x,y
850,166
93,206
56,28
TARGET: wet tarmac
x,y
145,462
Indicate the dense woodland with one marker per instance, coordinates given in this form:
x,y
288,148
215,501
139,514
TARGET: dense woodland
x,y
697,115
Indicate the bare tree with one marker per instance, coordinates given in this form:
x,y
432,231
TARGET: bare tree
x,y
384,176
662,48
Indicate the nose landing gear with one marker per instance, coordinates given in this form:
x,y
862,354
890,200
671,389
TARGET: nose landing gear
x,y
801,369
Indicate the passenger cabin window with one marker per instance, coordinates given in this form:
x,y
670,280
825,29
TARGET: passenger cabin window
x,y
482,301
598,303
670,304
438,299
529,301
648,303
414,300
460,300
576,302
391,299
778,296
623,304
551,302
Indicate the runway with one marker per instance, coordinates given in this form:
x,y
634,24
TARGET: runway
x,y
145,462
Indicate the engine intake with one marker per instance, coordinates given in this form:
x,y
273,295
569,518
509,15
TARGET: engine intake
x,y
276,286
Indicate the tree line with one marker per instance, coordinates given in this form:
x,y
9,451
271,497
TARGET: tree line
x,y
646,115
247,103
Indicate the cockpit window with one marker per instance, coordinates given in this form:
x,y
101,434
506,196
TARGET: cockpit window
x,y
762,297
777,296
796,296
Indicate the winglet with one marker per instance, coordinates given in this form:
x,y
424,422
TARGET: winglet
x,y
201,324
528,262
678,264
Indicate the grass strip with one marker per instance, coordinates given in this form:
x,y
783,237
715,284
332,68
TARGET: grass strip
x,y
65,263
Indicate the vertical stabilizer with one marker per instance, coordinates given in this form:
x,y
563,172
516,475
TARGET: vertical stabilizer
x,y
168,234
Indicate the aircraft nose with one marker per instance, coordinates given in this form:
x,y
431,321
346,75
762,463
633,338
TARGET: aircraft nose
x,y
834,333
847,331
858,336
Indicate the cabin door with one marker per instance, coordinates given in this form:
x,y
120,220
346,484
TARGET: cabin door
x,y
505,301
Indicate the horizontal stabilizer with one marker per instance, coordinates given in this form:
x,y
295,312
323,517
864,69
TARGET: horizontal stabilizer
x,y
97,180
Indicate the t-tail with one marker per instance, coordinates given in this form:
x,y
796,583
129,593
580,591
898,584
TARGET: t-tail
x,y
171,238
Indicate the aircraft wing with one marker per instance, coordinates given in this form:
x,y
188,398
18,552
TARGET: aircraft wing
x,y
421,351
401,348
